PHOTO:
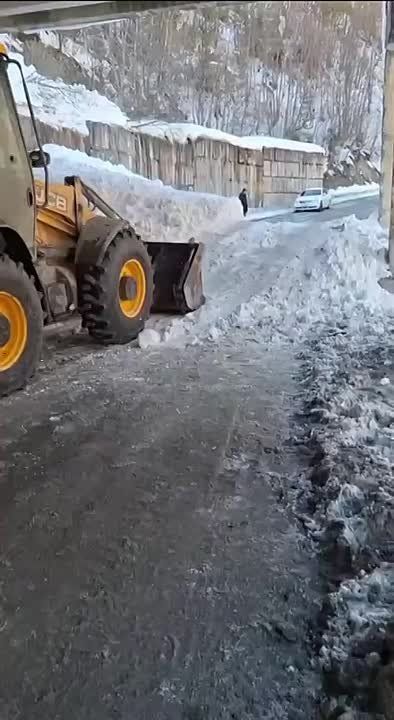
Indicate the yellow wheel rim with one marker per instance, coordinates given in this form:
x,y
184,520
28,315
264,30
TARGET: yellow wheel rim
x,y
13,317
132,297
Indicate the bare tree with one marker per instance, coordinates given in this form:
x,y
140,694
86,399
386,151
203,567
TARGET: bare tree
x,y
295,69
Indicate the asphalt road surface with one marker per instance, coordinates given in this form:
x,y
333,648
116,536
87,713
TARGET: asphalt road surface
x,y
149,566
360,208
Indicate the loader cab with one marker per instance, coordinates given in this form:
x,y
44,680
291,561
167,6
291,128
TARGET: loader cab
x,y
17,197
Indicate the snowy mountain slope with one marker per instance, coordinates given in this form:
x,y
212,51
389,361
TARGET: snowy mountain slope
x,y
64,105
59,104
305,71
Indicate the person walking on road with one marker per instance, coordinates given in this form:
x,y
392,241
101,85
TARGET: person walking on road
x,y
244,200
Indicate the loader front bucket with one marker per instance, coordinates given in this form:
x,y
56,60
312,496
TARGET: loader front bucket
x,y
177,276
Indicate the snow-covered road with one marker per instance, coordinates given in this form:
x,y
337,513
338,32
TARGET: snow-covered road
x,y
311,282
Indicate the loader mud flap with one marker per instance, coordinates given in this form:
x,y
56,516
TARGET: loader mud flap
x,y
177,276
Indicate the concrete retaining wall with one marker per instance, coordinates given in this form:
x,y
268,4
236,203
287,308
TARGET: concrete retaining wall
x,y
271,176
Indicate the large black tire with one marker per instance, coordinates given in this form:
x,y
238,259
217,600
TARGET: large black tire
x,y
15,283
99,292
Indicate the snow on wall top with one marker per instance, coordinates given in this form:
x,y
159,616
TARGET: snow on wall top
x,y
187,132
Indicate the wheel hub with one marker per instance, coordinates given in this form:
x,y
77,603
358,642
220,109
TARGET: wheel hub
x,y
127,288
13,330
5,330
132,288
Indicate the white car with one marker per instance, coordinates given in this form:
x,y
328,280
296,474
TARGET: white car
x,y
313,199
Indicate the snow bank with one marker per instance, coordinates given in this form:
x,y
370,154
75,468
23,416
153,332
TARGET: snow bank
x,y
334,276
277,281
188,132
157,211
349,387
353,192
273,280
362,608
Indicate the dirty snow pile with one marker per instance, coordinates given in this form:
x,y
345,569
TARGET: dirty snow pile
x,y
157,211
277,282
350,424
346,500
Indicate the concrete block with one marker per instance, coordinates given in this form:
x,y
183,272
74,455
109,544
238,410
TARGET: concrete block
x,y
292,169
124,159
155,145
287,185
122,139
272,200
99,135
252,157
288,169
297,156
303,170
283,155
213,149
242,154
200,149
259,158
279,185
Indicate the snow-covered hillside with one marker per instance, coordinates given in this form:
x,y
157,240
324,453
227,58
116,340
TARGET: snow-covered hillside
x,y
72,105
55,102
305,71
235,70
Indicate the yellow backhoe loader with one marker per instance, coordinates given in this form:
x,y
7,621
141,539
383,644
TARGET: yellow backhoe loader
x,y
63,249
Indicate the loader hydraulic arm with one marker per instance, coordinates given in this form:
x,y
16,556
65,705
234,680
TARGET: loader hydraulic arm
x,y
92,197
